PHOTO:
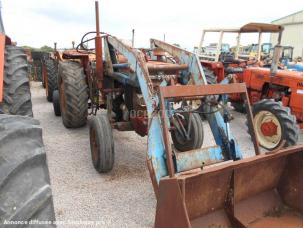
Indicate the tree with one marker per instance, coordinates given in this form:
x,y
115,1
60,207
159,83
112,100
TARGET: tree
x,y
46,48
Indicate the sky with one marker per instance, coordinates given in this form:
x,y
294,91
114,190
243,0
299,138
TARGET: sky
x,y
42,22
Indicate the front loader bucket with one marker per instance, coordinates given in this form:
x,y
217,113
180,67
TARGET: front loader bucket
x,y
262,191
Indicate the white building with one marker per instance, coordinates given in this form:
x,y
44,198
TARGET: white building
x,y
293,32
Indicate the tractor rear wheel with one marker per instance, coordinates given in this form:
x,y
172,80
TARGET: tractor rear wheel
x,y
25,192
194,131
102,143
73,94
17,95
274,123
56,103
52,77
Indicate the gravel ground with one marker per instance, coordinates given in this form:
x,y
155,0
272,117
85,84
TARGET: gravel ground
x,y
122,198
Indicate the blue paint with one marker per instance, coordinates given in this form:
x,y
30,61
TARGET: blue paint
x,y
295,66
156,149
292,65
198,158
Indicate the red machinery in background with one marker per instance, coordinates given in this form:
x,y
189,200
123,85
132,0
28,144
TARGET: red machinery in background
x,y
279,92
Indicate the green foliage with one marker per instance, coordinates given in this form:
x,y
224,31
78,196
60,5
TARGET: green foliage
x,y
44,48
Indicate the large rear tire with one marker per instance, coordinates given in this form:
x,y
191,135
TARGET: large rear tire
x,y
25,192
274,123
102,143
73,94
52,78
17,96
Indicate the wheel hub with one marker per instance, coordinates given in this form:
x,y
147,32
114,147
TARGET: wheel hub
x,y
269,128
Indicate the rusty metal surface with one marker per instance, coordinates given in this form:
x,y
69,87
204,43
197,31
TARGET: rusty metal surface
x,y
291,182
250,122
166,136
154,66
183,57
2,50
98,51
212,220
206,193
261,27
192,91
260,187
257,206
258,177
171,210
287,220
70,54
140,125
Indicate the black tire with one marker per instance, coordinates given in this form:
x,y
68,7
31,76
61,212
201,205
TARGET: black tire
x,y
287,121
52,78
196,134
56,103
38,69
102,143
17,95
43,79
25,192
73,94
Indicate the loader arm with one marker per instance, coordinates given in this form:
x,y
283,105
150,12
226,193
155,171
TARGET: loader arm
x,y
197,75
162,161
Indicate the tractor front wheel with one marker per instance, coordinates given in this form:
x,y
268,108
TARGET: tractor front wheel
x,y
274,124
188,133
102,143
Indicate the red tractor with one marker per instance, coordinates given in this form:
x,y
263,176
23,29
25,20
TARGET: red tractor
x,y
276,94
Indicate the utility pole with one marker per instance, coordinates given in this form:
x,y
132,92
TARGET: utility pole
x,y
133,38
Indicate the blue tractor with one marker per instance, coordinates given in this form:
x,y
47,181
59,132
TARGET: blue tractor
x,y
161,92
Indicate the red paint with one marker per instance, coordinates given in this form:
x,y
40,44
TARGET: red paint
x,y
2,47
140,125
269,128
257,79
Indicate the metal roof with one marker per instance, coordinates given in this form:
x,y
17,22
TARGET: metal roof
x,y
290,15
